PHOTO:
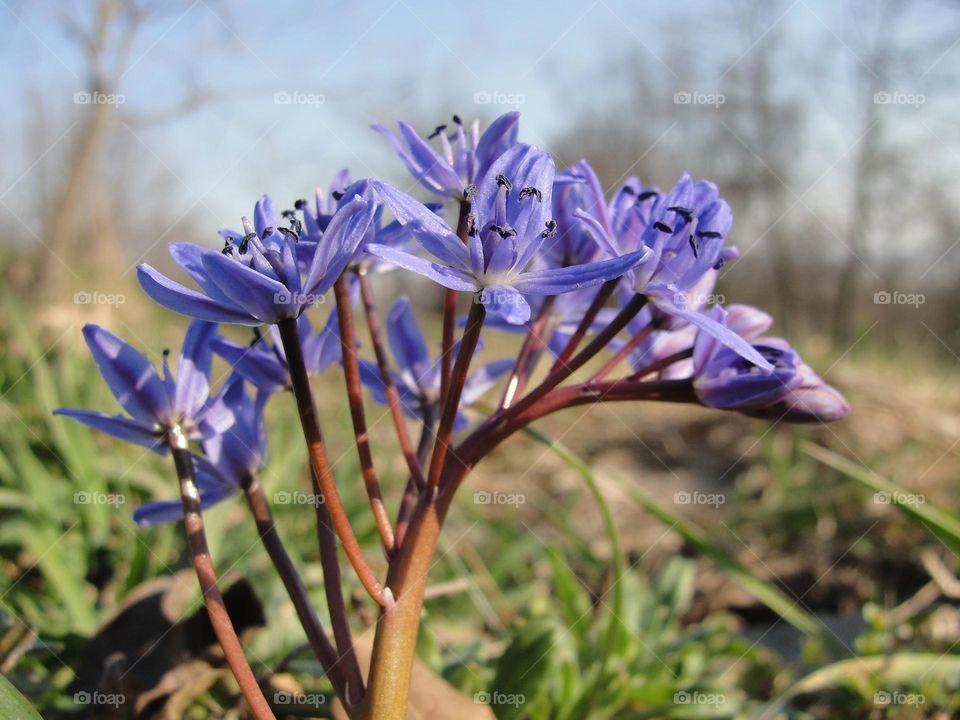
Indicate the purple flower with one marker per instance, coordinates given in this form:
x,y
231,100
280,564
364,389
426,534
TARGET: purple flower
x,y
685,232
575,189
508,224
418,377
231,458
317,218
266,275
264,363
724,379
462,163
156,404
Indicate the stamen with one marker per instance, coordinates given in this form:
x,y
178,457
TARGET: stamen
x,y
504,183
300,204
551,229
719,264
287,214
439,129
684,212
457,120
469,192
628,190
695,246
647,194
528,191
471,225
246,241
503,232
336,195
708,234
267,231
663,227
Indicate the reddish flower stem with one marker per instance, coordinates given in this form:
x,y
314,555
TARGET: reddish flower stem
x,y
622,354
312,627
351,373
450,313
533,345
661,364
451,402
323,475
599,300
414,460
409,500
207,577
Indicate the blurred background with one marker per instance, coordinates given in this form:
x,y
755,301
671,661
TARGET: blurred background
x,y
830,127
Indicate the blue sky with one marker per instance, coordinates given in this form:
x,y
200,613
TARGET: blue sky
x,y
356,63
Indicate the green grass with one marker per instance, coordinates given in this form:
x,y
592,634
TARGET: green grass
x,y
536,614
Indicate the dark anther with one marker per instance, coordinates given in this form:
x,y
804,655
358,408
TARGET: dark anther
x,y
663,227
471,225
503,182
439,129
337,195
695,246
503,232
628,190
287,214
708,234
718,265
166,352
227,248
296,226
551,229
684,212
535,192
469,192
290,234
246,241
457,120
647,194
300,204
267,231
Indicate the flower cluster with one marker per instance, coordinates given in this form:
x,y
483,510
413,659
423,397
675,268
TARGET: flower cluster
x,y
615,292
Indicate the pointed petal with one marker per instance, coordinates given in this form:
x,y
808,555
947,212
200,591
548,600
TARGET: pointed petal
x,y
174,296
119,427
193,371
130,376
497,138
260,367
340,241
262,297
505,302
446,276
406,340
554,281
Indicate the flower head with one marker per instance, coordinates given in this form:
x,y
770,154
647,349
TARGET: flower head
x,y
463,161
508,224
792,390
264,275
231,458
154,404
418,377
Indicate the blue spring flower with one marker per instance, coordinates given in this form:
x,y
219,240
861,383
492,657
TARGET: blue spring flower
x,y
508,224
154,404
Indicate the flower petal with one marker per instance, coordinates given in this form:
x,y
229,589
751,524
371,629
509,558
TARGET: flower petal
x,y
554,281
340,240
447,276
119,427
174,296
131,377
193,371
505,302
263,298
